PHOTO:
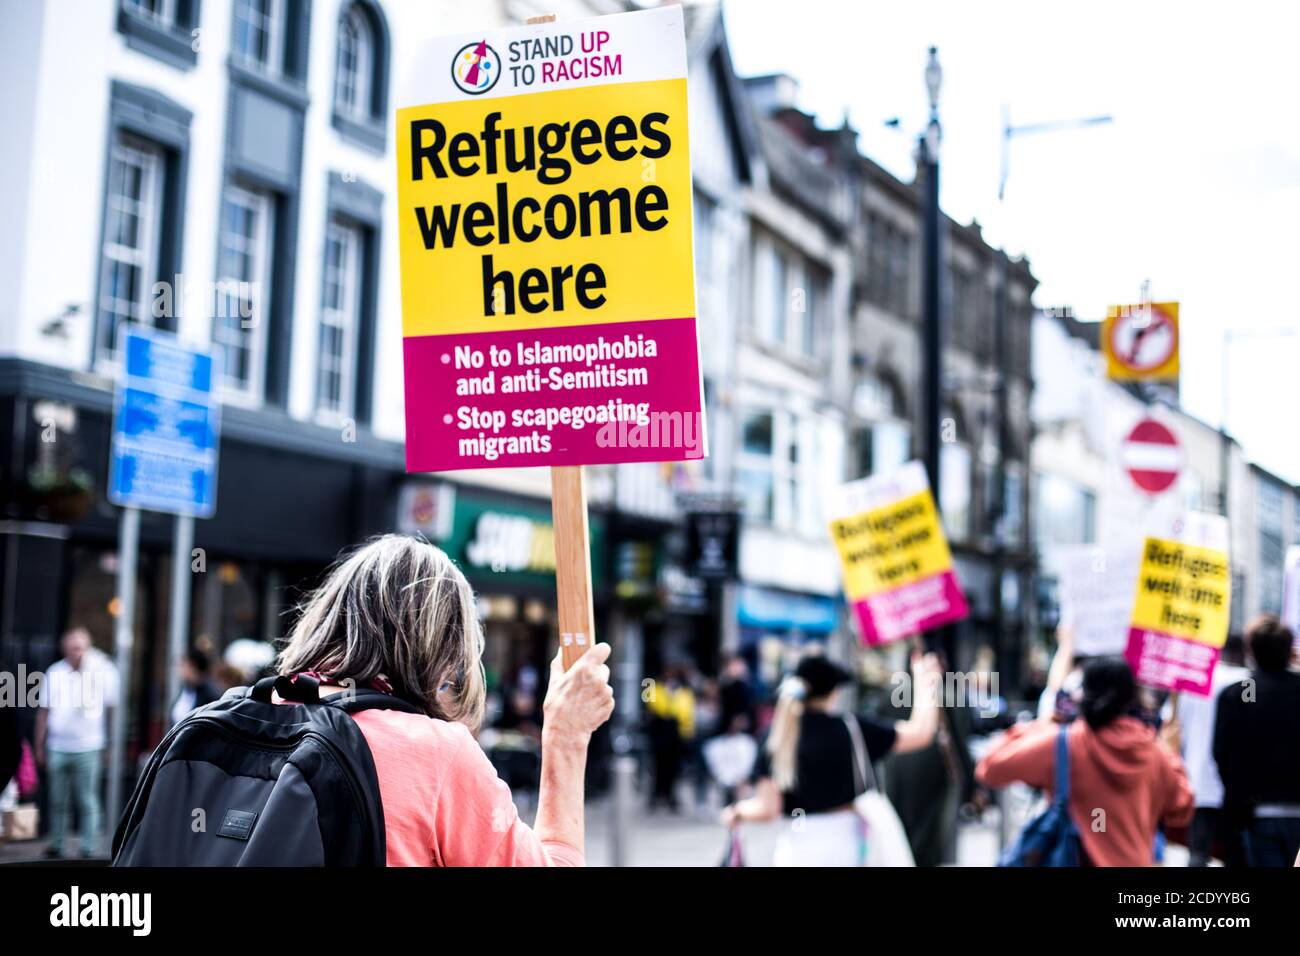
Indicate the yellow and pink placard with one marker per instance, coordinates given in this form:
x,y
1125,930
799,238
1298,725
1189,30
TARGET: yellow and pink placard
x,y
1181,613
544,218
898,570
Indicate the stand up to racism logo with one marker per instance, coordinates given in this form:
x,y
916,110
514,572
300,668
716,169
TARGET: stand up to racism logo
x,y
476,67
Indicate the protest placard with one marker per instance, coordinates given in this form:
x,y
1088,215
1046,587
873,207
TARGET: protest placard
x,y
544,218
548,296
1096,594
898,571
1181,612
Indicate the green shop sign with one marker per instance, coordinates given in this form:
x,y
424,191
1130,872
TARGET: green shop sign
x,y
502,543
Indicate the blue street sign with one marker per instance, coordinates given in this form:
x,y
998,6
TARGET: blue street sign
x,y
166,427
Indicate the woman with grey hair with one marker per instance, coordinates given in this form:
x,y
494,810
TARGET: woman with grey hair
x,y
398,616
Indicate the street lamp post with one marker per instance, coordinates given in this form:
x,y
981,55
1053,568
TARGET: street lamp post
x,y
932,341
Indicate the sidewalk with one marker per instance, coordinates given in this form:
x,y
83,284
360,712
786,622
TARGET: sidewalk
x,y
695,838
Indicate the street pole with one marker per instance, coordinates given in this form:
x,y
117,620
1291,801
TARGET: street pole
x,y
179,625
128,549
1006,650
932,332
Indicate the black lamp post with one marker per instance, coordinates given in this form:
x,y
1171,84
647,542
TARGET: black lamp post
x,y
931,278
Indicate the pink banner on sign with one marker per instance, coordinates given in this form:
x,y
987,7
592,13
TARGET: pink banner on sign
x,y
582,395
1169,662
911,609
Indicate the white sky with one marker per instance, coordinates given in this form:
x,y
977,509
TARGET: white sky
x,y
1196,184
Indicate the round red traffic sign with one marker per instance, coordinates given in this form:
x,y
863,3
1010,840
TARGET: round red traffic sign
x,y
1152,456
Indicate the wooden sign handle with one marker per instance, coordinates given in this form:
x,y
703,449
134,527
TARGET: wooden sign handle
x,y
572,562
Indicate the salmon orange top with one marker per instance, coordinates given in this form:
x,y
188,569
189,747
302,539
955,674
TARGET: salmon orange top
x,y
444,804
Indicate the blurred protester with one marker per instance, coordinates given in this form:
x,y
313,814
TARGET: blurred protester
x,y
197,687
736,693
520,710
1124,781
397,615
1257,747
226,676
806,765
71,737
708,715
1193,718
1059,700
672,730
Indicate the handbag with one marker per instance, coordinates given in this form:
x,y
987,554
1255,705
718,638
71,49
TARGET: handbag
x,y
1051,838
887,843
26,773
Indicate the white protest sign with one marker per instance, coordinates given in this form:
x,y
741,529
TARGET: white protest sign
x,y
1097,583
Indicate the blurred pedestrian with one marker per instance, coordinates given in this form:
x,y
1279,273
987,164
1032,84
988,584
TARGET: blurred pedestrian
x,y
77,694
736,691
807,768
226,676
1124,781
671,715
1257,747
1211,836
197,687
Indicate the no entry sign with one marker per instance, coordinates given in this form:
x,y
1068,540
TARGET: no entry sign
x,y
1151,456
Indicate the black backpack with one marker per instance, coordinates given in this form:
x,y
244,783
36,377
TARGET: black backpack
x,y
247,782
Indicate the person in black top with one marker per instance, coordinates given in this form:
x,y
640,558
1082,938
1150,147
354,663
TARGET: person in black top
x,y
805,767
1257,748
737,698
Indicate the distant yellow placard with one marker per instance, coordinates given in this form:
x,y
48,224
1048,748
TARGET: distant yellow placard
x,y
639,130
891,546
1141,343
1184,591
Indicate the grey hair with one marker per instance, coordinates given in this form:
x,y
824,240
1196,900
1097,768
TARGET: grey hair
x,y
399,607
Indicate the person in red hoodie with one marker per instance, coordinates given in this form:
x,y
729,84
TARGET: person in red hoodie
x,y
1124,781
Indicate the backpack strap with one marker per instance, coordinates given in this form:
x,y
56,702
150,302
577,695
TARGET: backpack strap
x,y
305,689
366,699
1062,795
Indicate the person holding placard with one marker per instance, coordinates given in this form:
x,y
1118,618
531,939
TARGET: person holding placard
x,y
398,614
1124,781
808,766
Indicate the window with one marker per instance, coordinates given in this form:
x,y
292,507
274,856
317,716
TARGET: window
x,y
163,29
1013,525
132,226
361,75
340,319
889,253
1272,554
886,443
258,34
243,278
161,12
1065,513
775,302
754,465
352,93
704,216
962,326
954,489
